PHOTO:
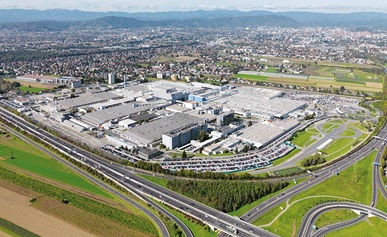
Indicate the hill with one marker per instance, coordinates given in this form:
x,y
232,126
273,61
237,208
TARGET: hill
x,y
56,20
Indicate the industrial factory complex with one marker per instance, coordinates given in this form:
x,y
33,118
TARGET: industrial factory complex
x,y
152,119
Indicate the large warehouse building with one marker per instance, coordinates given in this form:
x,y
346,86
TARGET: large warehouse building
x,y
150,134
100,117
86,99
263,133
258,102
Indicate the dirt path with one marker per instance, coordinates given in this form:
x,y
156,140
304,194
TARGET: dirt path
x,y
15,208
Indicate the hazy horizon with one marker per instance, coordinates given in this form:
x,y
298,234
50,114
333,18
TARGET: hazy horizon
x,y
323,6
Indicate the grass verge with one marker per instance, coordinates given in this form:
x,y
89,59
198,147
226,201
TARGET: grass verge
x,y
196,229
375,227
155,179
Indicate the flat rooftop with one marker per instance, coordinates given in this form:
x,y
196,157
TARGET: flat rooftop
x,y
86,99
154,130
260,103
103,116
263,132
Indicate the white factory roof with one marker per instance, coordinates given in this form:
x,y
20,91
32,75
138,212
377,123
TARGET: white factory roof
x,y
259,102
261,133
86,99
102,116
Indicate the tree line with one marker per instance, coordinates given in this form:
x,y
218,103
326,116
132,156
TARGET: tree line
x,y
225,196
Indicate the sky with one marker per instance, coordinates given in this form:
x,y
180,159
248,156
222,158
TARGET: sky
x,y
188,5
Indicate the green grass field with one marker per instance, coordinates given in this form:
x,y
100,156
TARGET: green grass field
x,y
292,217
341,146
267,218
251,77
329,127
31,89
339,121
286,157
381,204
335,216
155,179
29,158
271,70
304,138
354,183
375,227
349,132
337,145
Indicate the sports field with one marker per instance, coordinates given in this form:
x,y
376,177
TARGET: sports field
x,y
32,84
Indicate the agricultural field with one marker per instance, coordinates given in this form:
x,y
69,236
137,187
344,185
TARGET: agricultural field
x,y
86,213
328,76
250,77
19,155
352,184
319,63
17,214
8,228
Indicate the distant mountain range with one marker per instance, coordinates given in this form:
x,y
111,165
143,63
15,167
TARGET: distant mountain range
x,y
58,19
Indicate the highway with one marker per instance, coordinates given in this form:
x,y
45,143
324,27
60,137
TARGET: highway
x,y
320,176
376,186
376,178
325,230
219,220
230,225
311,216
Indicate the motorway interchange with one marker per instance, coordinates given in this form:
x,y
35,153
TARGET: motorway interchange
x,y
227,224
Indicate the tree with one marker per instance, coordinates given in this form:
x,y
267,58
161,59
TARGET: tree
x,y
202,136
184,155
